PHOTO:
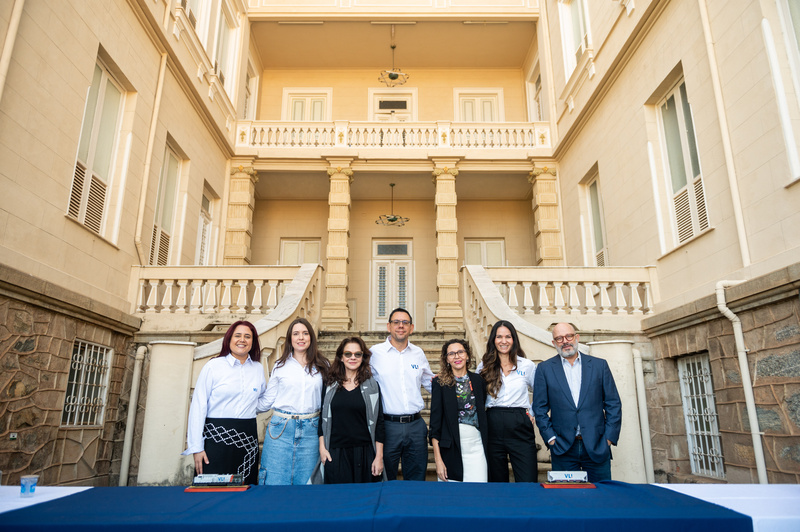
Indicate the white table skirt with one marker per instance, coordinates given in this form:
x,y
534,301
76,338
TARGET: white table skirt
x,y
773,507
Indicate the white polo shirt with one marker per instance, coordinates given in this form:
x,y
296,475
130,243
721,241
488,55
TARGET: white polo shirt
x,y
400,375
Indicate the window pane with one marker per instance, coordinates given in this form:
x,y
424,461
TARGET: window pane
x,y
488,110
298,110
467,110
392,249
311,252
88,117
690,138
576,13
672,136
597,228
794,14
291,253
317,110
494,253
473,253
106,132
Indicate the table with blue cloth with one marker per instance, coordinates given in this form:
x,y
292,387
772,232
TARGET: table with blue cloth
x,y
386,507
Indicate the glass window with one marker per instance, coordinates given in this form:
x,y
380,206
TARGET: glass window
x,y
165,209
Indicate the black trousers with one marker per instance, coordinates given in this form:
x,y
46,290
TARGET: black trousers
x,y
511,436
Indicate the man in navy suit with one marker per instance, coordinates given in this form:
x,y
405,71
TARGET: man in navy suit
x,y
585,411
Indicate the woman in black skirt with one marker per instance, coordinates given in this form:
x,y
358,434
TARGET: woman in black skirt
x,y
222,434
351,431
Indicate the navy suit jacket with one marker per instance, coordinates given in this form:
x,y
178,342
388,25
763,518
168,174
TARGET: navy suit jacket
x,y
599,411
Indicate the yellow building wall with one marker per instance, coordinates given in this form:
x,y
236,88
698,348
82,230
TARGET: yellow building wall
x,y
434,90
510,221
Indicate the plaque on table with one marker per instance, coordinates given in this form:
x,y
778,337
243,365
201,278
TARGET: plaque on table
x,y
217,482
567,479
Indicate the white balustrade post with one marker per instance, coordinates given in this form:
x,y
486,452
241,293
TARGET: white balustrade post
x,y
142,295
544,302
636,301
166,301
225,300
558,297
180,302
619,297
574,303
512,295
648,299
241,300
196,298
588,293
257,301
211,297
272,298
152,297
605,301
528,298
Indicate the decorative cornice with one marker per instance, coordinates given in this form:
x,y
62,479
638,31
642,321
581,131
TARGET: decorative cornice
x,y
248,170
440,171
339,170
538,171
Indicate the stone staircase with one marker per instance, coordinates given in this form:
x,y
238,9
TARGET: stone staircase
x,y
431,343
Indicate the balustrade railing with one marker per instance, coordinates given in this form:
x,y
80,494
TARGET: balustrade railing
x,y
210,289
576,291
344,134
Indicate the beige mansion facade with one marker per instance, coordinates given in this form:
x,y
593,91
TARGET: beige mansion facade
x,y
170,166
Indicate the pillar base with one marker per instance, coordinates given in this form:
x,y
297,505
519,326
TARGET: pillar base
x,y
448,317
335,317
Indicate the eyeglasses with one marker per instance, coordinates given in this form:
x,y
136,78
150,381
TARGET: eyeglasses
x,y
404,323
460,353
562,339
359,354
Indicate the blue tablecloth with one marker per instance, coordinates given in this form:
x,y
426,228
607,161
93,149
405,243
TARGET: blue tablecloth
x,y
386,507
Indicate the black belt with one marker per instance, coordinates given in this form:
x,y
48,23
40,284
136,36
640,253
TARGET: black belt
x,y
408,418
507,408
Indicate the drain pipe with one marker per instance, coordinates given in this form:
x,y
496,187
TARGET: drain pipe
x,y
747,385
644,420
130,425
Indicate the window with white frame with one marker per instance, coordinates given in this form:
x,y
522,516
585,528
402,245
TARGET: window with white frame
x,y
538,100
485,252
166,207
250,91
700,414
193,10
392,105
479,105
682,161
597,224
574,32
224,48
87,385
97,148
296,252
307,105
204,230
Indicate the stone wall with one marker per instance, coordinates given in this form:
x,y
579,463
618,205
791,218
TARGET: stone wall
x,y
769,309
37,333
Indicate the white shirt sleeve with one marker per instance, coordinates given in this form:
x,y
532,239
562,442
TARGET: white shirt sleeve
x,y
198,411
267,399
427,374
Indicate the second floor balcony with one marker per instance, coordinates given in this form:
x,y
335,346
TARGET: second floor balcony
x,y
530,138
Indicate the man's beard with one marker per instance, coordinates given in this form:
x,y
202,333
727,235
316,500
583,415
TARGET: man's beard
x,y
573,352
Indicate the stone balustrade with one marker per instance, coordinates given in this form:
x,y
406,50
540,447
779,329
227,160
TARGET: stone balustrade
x,y
576,291
425,135
209,289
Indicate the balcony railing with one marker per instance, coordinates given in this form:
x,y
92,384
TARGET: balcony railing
x,y
209,289
426,135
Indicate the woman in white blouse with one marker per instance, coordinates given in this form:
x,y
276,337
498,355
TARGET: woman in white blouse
x,y
294,393
509,377
223,435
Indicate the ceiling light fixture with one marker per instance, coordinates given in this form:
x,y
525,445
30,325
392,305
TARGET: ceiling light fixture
x,y
392,219
395,76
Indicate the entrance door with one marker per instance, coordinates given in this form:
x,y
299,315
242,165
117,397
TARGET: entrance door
x,y
392,283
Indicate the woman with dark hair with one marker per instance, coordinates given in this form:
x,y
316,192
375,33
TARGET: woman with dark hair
x,y
230,390
459,430
351,434
293,393
509,378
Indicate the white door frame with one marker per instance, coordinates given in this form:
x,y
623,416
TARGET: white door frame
x,y
394,260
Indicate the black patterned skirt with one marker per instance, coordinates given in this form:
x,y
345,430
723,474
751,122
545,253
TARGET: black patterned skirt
x,y
232,447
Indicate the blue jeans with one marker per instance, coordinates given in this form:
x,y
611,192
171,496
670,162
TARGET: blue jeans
x,y
291,451
407,442
577,459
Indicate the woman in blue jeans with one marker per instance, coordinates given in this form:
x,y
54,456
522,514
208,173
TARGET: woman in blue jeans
x,y
294,391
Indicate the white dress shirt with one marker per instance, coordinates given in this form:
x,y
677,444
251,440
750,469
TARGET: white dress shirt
x,y
226,388
573,372
400,375
514,389
293,389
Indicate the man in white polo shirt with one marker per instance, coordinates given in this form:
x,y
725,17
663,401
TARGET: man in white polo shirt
x,y
401,369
